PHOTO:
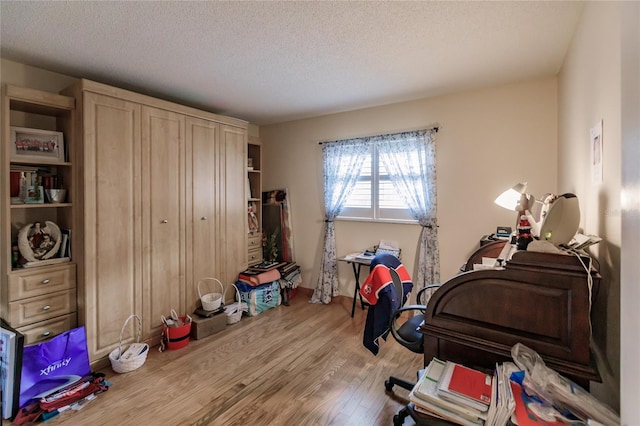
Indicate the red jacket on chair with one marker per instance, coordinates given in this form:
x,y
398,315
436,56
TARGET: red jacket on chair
x,y
379,291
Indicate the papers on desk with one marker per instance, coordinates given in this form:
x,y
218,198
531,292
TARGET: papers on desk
x,y
385,246
353,256
487,263
367,256
581,241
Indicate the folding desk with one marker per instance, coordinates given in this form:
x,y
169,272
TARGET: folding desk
x,y
356,265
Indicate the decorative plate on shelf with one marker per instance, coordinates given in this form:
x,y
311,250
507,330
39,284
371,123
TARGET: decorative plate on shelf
x,y
39,243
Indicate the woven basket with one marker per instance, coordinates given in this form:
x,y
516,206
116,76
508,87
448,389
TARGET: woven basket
x,y
210,301
235,316
123,361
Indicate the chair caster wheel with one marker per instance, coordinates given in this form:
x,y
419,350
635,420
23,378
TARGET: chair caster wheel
x,y
388,386
398,420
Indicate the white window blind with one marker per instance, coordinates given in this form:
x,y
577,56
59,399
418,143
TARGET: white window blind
x,y
374,197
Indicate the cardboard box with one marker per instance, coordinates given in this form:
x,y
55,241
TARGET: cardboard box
x,y
204,327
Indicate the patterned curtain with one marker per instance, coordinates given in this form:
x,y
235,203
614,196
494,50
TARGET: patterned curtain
x,y
342,164
410,159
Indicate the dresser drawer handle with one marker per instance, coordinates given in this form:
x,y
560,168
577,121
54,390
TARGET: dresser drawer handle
x,y
46,334
46,308
46,281
204,218
164,221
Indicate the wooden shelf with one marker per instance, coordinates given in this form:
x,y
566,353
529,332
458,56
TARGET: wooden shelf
x,y
40,206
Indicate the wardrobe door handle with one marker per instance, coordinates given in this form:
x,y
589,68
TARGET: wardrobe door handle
x,y
204,218
165,221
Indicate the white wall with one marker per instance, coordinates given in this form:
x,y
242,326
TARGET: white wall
x,y
590,90
489,140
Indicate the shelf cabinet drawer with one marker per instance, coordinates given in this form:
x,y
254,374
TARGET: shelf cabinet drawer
x,y
254,255
45,330
254,242
29,311
36,282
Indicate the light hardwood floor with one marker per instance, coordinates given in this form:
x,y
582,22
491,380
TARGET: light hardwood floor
x,y
302,364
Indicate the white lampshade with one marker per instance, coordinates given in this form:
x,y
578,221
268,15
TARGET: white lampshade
x,y
510,199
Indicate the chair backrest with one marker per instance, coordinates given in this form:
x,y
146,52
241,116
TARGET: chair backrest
x,y
406,332
397,283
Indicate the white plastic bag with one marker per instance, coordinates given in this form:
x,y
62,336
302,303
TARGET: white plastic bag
x,y
561,392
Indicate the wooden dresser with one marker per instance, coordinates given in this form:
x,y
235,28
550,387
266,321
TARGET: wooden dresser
x,y
42,301
541,300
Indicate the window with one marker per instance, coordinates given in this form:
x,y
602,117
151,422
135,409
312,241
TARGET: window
x,y
374,197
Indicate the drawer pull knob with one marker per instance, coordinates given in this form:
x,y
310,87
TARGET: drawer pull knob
x,y
204,218
46,308
165,221
45,281
46,334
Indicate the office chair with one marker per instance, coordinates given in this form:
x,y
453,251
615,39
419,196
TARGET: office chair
x,y
408,334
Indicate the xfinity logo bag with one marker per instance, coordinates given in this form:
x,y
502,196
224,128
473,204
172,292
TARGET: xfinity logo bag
x,y
52,365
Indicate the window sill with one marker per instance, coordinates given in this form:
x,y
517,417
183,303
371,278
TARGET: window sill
x,y
362,219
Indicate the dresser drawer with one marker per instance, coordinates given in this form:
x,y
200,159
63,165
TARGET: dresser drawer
x,y
254,241
45,330
254,256
37,282
40,308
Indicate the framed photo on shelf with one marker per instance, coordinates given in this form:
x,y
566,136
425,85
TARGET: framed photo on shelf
x,y
35,195
36,145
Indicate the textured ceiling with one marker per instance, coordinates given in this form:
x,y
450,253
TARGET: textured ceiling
x,y
270,62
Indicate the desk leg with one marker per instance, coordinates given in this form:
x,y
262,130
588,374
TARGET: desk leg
x,y
356,293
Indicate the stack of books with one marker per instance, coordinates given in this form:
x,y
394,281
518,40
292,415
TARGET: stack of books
x,y
454,393
469,397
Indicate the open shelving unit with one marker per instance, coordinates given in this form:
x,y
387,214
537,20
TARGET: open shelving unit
x,y
40,300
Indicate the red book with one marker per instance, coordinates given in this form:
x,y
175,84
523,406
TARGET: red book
x,y
466,385
14,184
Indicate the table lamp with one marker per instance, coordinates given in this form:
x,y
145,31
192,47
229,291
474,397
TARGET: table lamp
x,y
559,217
517,199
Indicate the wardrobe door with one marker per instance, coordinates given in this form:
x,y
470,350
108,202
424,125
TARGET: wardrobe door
x,y
109,241
204,259
163,201
233,192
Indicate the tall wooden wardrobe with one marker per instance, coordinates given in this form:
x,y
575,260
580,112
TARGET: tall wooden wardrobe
x,y
162,190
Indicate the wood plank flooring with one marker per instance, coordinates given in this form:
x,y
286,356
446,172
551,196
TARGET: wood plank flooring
x,y
302,364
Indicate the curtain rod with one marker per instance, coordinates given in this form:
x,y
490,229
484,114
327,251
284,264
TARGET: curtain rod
x,y
435,128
